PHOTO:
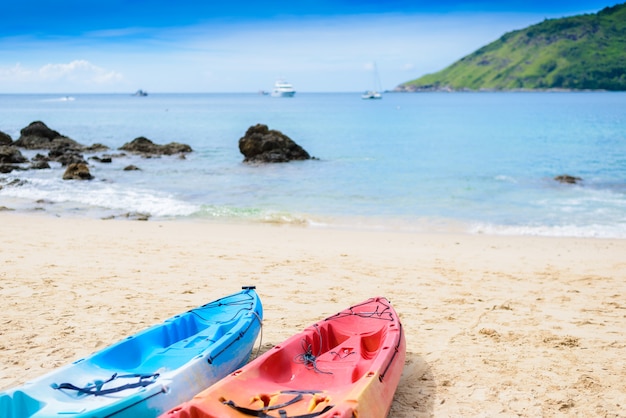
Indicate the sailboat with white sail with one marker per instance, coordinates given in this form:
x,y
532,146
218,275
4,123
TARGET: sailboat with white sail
x,y
375,93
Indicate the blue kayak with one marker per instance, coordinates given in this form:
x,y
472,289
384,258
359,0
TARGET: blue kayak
x,y
150,372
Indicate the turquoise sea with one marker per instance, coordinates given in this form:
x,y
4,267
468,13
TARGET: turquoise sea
x,y
469,162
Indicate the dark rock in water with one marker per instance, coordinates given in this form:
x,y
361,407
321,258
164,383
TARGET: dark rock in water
x,y
104,160
11,155
148,148
262,145
39,165
44,202
10,158
137,216
38,136
40,157
7,168
96,148
77,171
566,178
175,148
5,139
39,129
66,143
66,156
132,168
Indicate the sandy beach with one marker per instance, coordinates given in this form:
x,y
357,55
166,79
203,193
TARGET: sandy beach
x,y
496,326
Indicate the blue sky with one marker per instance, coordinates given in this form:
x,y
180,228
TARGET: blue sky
x,y
119,46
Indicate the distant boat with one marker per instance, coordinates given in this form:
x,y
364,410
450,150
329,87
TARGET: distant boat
x,y
283,89
140,93
373,94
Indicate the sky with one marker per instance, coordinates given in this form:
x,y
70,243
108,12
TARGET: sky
x,y
205,46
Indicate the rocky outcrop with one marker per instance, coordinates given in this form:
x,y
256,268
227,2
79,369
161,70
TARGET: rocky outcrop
x,y
147,148
96,148
10,158
263,145
103,160
5,139
77,171
11,155
39,165
66,156
7,168
64,150
38,136
566,178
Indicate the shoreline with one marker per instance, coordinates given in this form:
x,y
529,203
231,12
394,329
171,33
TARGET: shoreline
x,y
495,325
364,223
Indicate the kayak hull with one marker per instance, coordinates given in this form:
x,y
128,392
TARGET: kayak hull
x,y
348,365
150,372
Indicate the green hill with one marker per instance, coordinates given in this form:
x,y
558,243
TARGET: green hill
x,y
585,52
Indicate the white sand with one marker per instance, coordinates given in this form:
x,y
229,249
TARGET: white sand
x,y
496,326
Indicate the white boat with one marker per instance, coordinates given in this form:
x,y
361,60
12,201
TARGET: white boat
x,y
373,94
283,89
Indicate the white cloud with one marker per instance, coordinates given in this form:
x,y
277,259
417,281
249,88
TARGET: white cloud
x,y
16,73
75,76
79,71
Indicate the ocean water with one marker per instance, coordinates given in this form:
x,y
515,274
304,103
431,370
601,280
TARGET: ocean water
x,y
469,162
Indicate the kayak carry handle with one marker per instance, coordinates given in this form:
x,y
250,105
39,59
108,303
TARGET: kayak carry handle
x,y
262,413
144,380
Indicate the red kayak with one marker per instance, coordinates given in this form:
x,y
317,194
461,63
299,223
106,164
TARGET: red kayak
x,y
345,366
